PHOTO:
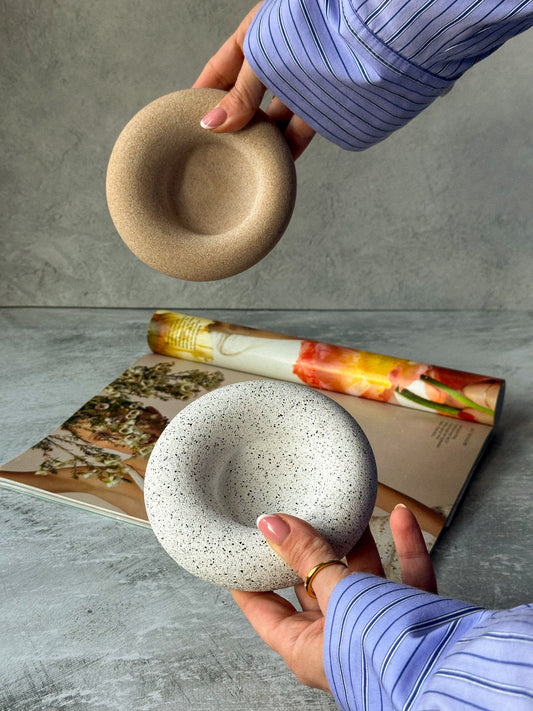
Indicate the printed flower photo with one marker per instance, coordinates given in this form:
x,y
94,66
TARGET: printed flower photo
x,y
99,455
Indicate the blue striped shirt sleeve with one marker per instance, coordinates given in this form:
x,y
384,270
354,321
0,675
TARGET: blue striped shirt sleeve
x,y
391,647
357,70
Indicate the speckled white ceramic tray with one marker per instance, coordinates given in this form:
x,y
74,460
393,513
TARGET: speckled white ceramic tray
x,y
252,448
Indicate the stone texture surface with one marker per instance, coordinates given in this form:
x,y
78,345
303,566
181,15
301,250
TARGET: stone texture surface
x,y
253,448
438,216
96,617
193,204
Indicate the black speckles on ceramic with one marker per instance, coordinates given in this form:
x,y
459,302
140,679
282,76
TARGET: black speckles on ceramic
x,y
252,448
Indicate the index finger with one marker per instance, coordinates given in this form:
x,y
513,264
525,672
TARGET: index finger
x,y
415,562
364,556
222,70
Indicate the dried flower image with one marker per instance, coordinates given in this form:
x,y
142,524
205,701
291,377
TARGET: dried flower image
x,y
104,447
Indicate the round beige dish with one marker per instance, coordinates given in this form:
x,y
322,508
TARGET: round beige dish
x,y
193,204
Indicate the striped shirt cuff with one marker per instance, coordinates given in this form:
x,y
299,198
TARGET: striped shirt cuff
x,y
383,640
344,66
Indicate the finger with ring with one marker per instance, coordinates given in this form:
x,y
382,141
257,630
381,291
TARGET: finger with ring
x,y
311,575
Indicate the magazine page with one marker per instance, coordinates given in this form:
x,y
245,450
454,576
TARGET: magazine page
x,y
466,396
97,459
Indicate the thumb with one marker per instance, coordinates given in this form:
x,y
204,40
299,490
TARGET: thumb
x,y
302,548
239,105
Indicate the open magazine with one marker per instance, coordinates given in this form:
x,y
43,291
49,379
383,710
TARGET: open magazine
x,y
427,425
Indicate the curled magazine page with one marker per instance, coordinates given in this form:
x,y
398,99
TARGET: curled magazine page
x,y
430,388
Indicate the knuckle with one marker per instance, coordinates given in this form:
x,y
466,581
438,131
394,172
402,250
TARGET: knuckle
x,y
306,552
241,97
213,67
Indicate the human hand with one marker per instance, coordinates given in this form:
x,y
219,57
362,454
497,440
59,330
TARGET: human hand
x,y
229,70
298,636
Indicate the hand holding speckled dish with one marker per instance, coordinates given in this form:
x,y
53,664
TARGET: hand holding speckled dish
x,y
193,204
252,448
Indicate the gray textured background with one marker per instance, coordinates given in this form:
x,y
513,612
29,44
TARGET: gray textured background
x,y
438,216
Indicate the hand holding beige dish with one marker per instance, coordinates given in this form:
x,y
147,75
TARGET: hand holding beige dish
x,y
194,204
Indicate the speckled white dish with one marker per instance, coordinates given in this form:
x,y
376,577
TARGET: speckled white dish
x,y
252,448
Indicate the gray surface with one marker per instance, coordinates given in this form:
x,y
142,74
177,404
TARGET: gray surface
x,y
438,216
95,615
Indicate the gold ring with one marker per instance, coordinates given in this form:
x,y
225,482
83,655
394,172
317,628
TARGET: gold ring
x,y
314,572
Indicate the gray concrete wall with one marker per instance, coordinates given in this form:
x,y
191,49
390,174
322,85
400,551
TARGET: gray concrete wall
x,y
438,216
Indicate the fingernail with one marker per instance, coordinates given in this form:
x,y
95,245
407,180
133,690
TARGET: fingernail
x,y
214,118
400,506
273,528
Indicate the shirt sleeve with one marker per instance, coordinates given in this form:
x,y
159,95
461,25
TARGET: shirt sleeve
x,y
388,646
357,70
